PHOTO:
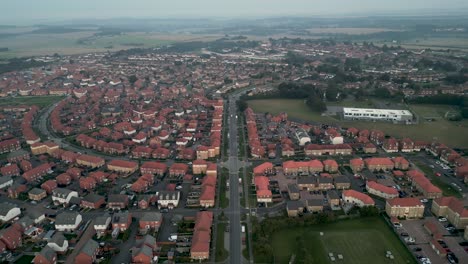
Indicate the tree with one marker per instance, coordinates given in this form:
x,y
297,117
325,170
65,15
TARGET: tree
x,y
132,79
368,211
382,93
242,105
332,91
316,104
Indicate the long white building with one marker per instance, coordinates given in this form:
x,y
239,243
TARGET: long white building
x,y
377,114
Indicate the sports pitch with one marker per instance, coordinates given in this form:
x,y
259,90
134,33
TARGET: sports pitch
x,y
359,241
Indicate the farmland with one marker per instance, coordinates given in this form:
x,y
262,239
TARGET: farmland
x,y
39,101
85,42
440,129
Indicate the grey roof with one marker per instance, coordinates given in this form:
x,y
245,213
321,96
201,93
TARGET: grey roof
x,y
48,253
90,247
75,200
294,205
325,180
17,153
151,216
66,218
101,220
6,207
120,217
315,202
117,198
293,188
146,240
61,192
5,179
36,191
332,194
34,213
58,238
306,180
145,250
25,221
92,198
342,179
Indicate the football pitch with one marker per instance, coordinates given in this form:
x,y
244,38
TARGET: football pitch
x,y
365,240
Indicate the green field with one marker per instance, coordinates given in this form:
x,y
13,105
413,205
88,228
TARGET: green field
x,y
364,240
86,42
221,253
440,129
432,43
39,101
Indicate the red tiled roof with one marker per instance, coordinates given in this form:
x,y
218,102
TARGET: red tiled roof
x,y
260,169
382,188
379,161
123,163
454,204
366,199
405,202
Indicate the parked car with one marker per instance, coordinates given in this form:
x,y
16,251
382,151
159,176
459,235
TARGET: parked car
x,y
442,219
452,258
397,225
404,234
417,249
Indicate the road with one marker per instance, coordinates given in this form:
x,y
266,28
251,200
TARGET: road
x,y
234,210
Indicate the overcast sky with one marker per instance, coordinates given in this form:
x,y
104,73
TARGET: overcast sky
x,y
24,11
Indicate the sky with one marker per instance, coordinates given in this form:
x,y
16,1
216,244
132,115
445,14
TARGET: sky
x,y
26,11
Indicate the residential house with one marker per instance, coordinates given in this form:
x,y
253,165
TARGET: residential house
x,y
117,201
37,194
404,208
68,221
381,190
168,199
150,221
451,208
63,196
295,208
121,221
8,211
357,198
46,256
88,253
58,243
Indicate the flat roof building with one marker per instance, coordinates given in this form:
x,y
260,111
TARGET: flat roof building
x,y
390,115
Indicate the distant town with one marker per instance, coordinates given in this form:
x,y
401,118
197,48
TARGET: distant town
x,y
165,155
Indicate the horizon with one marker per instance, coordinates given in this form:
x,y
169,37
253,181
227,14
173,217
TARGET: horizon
x,y
26,12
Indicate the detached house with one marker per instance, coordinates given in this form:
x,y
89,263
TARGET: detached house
x,y
63,196
68,221
8,211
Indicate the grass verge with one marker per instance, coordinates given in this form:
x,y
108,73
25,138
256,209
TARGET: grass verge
x,y
221,253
